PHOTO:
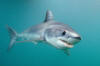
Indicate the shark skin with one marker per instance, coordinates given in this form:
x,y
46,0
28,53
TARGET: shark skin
x,y
54,33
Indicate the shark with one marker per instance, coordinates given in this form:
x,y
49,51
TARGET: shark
x,y
54,33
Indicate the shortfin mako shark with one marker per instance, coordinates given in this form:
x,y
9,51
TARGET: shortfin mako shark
x,y
54,33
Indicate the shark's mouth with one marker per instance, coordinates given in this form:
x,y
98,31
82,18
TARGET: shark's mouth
x,y
69,45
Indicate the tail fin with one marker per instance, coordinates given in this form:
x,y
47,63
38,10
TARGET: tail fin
x,y
13,36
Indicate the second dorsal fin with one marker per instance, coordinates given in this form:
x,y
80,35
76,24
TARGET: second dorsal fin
x,y
49,16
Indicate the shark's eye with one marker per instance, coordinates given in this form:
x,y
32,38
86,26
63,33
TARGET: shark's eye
x,y
64,33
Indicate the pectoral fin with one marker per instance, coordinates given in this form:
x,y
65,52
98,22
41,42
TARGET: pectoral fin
x,y
67,51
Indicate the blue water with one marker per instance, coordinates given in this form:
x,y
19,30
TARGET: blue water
x,y
81,15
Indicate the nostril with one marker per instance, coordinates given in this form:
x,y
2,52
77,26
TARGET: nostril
x,y
79,38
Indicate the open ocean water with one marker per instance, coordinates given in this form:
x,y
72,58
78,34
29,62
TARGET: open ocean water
x,y
82,15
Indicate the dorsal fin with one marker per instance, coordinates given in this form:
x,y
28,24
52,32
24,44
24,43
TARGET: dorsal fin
x,y
49,16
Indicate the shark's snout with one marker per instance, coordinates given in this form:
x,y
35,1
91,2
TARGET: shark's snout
x,y
74,37
74,40
78,38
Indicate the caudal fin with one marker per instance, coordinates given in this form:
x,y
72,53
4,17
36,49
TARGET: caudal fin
x,y
13,36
